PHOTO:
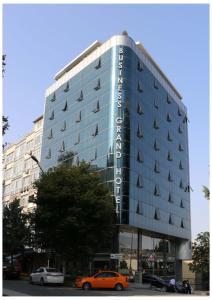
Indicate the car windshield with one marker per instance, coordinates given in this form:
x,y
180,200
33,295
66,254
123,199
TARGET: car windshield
x,y
51,270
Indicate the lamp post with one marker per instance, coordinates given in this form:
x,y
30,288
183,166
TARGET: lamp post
x,y
36,160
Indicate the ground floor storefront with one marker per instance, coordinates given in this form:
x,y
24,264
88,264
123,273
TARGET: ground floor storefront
x,y
142,252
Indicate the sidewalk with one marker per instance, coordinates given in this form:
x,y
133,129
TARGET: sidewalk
x,y
7,292
201,293
134,285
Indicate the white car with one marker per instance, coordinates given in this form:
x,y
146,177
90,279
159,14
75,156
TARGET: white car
x,y
45,275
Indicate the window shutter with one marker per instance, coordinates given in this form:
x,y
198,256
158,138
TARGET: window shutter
x,y
140,66
52,116
179,112
48,154
169,118
62,148
169,137
168,99
97,107
156,167
180,130
180,148
182,204
98,86
66,89
181,165
139,132
157,214
50,136
169,157
53,97
96,130
156,125
181,184
170,198
156,146
171,220
156,190
65,106
139,87
170,177
98,64
139,157
79,117
81,96
139,109
156,85
139,183
182,225
63,127
156,103
78,139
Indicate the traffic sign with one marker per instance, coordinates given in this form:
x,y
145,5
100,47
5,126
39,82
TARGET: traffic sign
x,y
116,256
151,257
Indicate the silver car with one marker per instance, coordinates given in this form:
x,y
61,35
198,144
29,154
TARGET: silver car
x,y
45,275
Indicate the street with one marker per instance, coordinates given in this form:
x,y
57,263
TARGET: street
x,y
23,288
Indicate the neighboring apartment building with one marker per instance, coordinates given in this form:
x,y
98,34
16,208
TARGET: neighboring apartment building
x,y
114,107
19,170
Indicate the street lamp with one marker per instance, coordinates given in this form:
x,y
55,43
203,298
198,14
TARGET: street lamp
x,y
37,162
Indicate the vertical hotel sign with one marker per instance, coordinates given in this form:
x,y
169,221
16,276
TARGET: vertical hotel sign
x,y
119,135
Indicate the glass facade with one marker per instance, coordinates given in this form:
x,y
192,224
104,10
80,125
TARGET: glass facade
x,y
147,253
77,119
116,115
164,151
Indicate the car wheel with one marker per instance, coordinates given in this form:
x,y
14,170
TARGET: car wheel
x,y
42,282
118,287
86,286
30,280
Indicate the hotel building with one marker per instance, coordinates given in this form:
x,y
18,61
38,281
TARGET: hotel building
x,y
114,107
19,170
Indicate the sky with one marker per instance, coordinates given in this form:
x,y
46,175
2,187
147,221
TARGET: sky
x,y
40,39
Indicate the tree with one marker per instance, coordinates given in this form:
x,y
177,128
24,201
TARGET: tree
x,y
75,212
67,158
5,124
206,192
200,255
16,232
3,63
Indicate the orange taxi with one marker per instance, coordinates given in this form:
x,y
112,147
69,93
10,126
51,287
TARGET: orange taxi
x,y
103,279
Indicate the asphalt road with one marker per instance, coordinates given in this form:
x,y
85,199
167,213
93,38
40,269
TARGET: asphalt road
x,y
23,288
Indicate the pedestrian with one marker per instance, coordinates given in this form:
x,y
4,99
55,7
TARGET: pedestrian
x,y
185,286
188,287
172,284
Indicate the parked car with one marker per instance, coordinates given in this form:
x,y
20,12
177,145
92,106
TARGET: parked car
x,y
103,279
45,275
155,281
10,272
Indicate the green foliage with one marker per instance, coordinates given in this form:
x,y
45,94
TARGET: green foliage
x,y
5,124
200,253
16,233
3,63
75,212
206,192
66,158
123,264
